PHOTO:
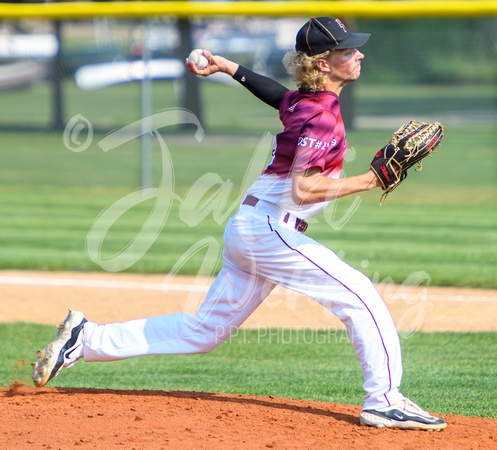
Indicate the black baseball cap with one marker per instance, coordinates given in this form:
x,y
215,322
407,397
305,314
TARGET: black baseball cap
x,y
327,33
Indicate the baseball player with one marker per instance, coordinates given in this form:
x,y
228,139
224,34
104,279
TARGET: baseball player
x,y
265,244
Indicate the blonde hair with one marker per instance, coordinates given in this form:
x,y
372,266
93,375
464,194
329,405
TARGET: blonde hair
x,y
304,69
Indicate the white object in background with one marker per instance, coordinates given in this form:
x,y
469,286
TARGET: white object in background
x,y
98,76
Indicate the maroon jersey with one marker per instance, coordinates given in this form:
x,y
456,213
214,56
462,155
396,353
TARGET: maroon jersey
x,y
314,134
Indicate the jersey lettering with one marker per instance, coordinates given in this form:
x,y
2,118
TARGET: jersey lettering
x,y
316,144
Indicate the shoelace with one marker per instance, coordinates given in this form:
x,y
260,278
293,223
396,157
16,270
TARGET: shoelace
x,y
414,407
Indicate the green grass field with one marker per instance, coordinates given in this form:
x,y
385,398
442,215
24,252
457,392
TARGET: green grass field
x,y
442,220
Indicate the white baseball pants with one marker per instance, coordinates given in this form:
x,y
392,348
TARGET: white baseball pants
x,y
261,252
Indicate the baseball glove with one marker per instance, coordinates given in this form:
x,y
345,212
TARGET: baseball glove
x,y
408,146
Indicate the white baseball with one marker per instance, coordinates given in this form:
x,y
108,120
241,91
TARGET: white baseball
x,y
198,58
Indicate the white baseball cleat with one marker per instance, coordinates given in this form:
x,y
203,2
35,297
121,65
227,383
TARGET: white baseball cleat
x,y
63,352
404,414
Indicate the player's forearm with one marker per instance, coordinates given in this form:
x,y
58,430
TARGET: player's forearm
x,y
317,188
216,64
266,89
226,66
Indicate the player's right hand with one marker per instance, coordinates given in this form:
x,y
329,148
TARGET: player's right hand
x,y
211,68
216,64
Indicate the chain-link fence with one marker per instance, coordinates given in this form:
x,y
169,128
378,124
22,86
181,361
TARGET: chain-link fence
x,y
52,70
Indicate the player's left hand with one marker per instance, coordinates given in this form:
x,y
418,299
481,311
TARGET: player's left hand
x,y
408,146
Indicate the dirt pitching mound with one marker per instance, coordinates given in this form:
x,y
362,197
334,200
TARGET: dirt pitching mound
x,y
66,417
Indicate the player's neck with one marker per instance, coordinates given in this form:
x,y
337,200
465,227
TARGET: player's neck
x,y
336,86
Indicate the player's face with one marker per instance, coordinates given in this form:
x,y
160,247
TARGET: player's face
x,y
346,65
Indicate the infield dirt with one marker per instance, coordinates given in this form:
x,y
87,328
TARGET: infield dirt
x,y
65,417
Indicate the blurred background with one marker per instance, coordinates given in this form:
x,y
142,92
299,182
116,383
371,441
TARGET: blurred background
x,y
48,67
66,84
